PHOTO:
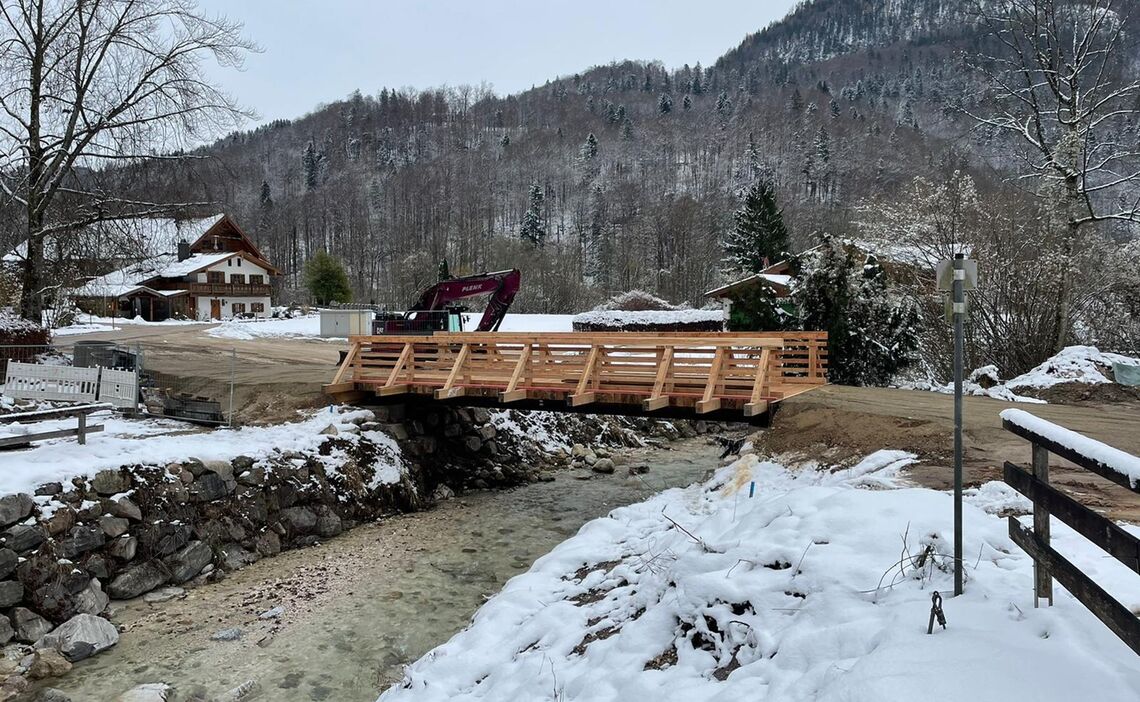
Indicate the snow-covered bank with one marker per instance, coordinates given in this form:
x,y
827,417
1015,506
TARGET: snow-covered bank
x,y
813,589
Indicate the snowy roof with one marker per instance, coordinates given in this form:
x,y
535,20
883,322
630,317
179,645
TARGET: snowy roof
x,y
127,280
779,281
121,239
622,318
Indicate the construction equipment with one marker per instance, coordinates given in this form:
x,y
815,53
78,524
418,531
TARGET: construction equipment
x,y
435,310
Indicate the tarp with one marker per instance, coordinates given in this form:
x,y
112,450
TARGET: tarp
x,y
1126,374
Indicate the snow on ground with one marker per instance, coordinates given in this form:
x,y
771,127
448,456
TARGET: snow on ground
x,y
90,324
812,590
527,322
157,442
304,327
1074,364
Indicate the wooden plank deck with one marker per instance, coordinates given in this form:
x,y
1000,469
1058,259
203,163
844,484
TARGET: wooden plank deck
x,y
729,375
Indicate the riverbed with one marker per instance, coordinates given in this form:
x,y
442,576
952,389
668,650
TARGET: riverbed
x,y
355,610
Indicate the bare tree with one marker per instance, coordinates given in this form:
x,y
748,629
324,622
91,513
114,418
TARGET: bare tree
x,y
1064,85
89,83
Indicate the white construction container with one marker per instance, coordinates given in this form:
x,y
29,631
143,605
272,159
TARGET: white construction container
x,y
343,323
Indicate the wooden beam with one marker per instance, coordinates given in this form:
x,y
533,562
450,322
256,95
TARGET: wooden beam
x,y
386,390
707,402
21,439
581,396
1068,453
353,354
336,388
658,399
405,356
512,394
756,406
448,390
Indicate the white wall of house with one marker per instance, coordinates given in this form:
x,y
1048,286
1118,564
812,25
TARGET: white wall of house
x,y
234,266
227,305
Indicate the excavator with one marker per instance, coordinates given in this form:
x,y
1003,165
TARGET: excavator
x,y
435,309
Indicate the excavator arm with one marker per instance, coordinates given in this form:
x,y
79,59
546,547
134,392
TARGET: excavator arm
x,y
502,287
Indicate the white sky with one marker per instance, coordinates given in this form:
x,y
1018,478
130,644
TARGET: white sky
x,y
321,50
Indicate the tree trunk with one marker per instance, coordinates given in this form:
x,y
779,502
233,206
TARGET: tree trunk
x,y
1068,248
31,285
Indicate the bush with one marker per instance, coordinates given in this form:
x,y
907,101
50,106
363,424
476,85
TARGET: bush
x,y
636,301
16,334
326,280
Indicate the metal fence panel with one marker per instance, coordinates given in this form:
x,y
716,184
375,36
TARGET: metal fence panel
x,y
119,387
29,381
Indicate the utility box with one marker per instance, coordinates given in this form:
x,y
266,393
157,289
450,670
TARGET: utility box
x,y
343,323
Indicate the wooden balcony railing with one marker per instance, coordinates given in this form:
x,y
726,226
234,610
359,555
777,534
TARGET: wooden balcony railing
x,y
229,289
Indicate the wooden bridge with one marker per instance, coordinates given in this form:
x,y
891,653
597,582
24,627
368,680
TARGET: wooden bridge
x,y
723,376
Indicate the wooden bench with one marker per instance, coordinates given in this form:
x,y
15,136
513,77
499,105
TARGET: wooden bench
x,y
80,412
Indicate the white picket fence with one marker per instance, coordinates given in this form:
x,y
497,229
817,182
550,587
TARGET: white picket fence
x,y
32,381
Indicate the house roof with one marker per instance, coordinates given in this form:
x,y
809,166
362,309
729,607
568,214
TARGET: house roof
x,y
780,283
223,224
122,239
134,277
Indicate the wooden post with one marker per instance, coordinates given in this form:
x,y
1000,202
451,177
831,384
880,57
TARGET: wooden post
x,y
82,433
1043,588
664,371
512,394
756,405
708,403
584,394
448,390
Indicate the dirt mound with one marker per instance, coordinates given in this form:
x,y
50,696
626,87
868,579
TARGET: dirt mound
x,y
1085,394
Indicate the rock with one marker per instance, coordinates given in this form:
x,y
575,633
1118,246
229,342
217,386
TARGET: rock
x,y
22,537
397,431
442,493
480,415
330,430
92,600
81,539
60,522
147,692
272,613
329,524
578,451
582,475
208,487
8,560
639,469
299,520
29,626
243,463
113,526
189,561
231,634
12,687
473,444
252,477
590,458
487,432
82,636
50,694
235,557
165,538
124,547
6,631
13,508
603,465
223,469
245,691
166,594
126,508
48,489
268,543
11,592
136,580
111,482
48,663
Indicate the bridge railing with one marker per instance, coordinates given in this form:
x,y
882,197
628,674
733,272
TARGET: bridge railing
x,y
705,371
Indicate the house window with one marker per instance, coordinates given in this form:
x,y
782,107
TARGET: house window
x,y
239,308
256,280
237,278
215,277
239,262
257,306
229,262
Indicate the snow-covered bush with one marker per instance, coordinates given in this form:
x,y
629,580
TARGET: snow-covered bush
x,y
636,301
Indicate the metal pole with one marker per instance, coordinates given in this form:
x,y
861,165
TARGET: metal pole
x,y
959,301
233,371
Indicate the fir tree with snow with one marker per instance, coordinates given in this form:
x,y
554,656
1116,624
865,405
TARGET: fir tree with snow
x,y
759,236
310,165
664,104
534,223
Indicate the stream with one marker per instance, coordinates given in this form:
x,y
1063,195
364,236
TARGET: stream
x,y
355,610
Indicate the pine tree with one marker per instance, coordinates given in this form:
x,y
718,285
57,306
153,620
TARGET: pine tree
x,y
505,141
589,149
310,165
534,224
627,130
697,86
326,280
687,103
723,103
264,210
444,271
664,104
759,236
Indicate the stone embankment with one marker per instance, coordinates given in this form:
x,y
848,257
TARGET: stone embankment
x,y
70,548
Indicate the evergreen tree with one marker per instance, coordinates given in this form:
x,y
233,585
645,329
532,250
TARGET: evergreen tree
x,y
326,280
627,130
589,149
534,224
505,141
664,104
444,272
687,103
264,211
310,165
723,103
759,236
696,87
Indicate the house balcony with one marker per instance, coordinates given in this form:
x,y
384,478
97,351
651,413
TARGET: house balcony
x,y
228,290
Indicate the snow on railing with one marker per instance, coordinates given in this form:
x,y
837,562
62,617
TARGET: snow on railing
x,y
1107,461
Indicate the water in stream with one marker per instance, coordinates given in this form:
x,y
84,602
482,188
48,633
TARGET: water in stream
x,y
359,607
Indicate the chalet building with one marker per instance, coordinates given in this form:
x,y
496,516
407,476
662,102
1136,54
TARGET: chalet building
x,y
219,275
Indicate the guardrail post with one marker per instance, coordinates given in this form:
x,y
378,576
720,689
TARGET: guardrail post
x,y
1043,579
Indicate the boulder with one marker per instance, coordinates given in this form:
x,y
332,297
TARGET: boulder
x,y
136,580
113,526
480,415
50,694
8,560
22,537
253,477
13,508
267,543
11,592
166,594
81,539
242,463
442,493
6,630
126,508
123,547
148,692
223,469
82,636
165,538
299,520
329,524
231,634
603,465
60,522
29,626
487,432
235,557
92,599
208,487
49,489
189,561
47,663
111,482
473,444
397,431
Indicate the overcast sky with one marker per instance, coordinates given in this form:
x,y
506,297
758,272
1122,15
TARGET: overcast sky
x,y
321,50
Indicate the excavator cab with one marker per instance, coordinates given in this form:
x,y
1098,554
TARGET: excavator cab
x,y
435,309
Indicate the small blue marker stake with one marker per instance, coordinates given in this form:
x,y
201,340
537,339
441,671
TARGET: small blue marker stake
x,y
752,488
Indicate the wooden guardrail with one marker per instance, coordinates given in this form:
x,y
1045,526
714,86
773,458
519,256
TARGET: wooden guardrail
x,y
1109,463
79,412
705,371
